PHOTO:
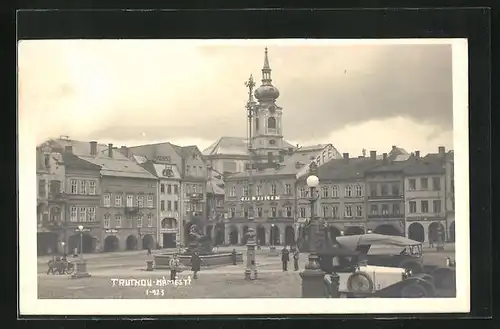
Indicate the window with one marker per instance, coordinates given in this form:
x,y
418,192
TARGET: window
x,y
188,170
348,191
413,207
335,191
140,201
139,220
273,212
259,190
130,200
162,205
436,183
395,189
335,210
232,192
233,212
395,208
150,220
385,209
302,212
176,189
424,206
288,211
384,190
41,188
83,214
83,187
259,212
176,205
92,187
162,188
91,214
195,171
436,206
107,223
271,123
348,211
245,190
374,209
118,201
118,221
273,189
359,191
288,189
324,192
325,211
412,184
107,200
424,183
304,192
359,211
169,205
73,214
373,189
74,186
169,189
129,221
150,201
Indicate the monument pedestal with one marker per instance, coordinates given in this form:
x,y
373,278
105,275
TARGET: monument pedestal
x,y
313,279
251,268
81,271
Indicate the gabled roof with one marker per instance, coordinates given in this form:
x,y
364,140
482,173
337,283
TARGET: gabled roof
x,y
388,166
72,161
425,166
233,146
346,169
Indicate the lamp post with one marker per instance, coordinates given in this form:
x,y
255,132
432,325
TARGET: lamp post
x,y
81,266
312,276
62,247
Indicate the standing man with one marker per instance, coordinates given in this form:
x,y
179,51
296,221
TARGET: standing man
x,y
195,264
285,257
174,266
296,255
233,256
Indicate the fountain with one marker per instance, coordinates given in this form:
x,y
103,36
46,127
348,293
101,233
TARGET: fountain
x,y
204,246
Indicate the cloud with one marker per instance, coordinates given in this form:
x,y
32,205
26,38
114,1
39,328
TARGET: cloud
x,y
118,89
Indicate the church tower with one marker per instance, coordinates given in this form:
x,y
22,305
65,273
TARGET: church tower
x,y
268,133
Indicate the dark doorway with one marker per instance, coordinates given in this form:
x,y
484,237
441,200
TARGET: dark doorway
x,y
386,229
244,237
131,242
111,243
354,230
434,229
169,240
274,236
148,241
261,235
88,243
219,234
451,236
289,236
233,236
416,232
46,243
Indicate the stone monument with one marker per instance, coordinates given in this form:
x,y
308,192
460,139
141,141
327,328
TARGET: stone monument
x,y
251,268
200,242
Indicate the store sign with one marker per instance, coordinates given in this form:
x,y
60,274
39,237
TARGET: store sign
x,y
111,231
261,198
84,230
163,158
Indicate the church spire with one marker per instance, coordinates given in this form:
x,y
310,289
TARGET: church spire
x,y
266,70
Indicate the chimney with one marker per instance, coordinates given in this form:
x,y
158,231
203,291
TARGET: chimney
x,y
110,150
417,154
68,149
93,148
297,145
373,155
384,157
441,150
124,151
346,156
394,147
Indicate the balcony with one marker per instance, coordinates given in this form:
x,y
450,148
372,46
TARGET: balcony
x,y
386,216
195,197
386,197
131,210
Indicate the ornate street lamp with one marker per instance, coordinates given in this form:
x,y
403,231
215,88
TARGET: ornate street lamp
x,y
81,266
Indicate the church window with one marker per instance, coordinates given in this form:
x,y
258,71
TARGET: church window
x,y
271,123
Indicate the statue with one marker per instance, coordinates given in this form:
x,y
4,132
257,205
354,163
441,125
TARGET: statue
x,y
200,242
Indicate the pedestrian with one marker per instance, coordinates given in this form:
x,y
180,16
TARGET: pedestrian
x,y
174,266
296,256
149,250
233,256
51,265
75,252
431,242
285,257
195,264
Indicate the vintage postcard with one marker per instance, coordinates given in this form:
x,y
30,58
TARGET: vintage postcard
x,y
243,176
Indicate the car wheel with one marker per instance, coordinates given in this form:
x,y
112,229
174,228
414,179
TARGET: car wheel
x,y
360,283
414,290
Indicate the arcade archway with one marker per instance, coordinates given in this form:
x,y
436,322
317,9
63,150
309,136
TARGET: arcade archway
x,y
261,235
434,231
274,236
233,236
111,243
219,234
354,230
289,236
131,243
89,243
148,241
416,232
451,236
244,236
386,229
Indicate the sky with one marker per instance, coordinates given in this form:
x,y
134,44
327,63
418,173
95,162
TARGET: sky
x,y
131,92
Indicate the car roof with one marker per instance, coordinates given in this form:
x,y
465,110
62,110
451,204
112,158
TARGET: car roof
x,y
353,241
